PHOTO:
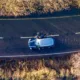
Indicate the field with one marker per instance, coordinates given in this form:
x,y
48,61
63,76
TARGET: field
x,y
28,7
65,67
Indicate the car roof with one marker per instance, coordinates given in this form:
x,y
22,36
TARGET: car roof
x,y
44,42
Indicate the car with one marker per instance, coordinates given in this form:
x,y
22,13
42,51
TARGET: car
x,y
39,43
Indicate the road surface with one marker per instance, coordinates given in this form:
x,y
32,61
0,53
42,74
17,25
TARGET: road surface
x,y
11,32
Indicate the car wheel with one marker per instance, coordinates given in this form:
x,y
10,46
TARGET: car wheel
x,y
30,48
49,47
39,48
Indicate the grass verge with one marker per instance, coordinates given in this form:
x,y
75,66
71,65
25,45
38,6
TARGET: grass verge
x,y
52,68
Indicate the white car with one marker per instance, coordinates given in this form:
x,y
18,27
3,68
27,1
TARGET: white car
x,y
38,43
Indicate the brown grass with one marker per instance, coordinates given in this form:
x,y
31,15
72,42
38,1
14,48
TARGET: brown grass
x,y
26,7
55,68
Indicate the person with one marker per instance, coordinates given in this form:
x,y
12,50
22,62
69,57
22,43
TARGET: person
x,y
38,34
41,34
